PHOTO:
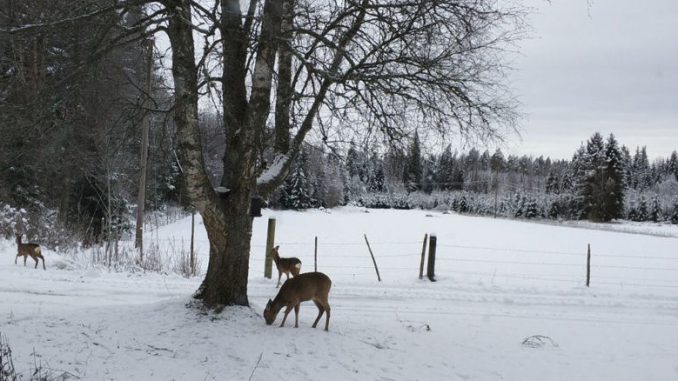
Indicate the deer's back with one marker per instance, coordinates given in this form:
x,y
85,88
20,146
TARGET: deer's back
x,y
29,248
289,262
306,286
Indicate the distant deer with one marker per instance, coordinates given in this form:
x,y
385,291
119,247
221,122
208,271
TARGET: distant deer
x,y
285,265
29,249
308,286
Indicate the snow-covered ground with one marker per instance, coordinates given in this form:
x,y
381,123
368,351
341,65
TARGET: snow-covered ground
x,y
498,283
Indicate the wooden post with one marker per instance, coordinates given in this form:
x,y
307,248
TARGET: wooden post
x,y
423,255
588,266
192,255
315,255
270,241
430,272
373,260
141,195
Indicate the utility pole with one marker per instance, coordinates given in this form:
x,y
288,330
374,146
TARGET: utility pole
x,y
141,196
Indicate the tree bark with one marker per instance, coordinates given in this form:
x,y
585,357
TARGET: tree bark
x,y
226,280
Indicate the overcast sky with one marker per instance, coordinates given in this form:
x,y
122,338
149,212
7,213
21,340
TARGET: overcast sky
x,y
611,67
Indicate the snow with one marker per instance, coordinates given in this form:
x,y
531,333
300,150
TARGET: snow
x,y
509,304
273,170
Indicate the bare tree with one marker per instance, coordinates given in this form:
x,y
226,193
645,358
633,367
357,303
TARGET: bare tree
x,y
329,67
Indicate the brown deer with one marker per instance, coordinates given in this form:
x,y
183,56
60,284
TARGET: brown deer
x,y
285,265
308,286
29,249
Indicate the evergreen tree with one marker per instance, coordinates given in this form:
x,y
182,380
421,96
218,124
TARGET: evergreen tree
x,y
614,186
576,181
462,204
413,172
376,179
497,165
674,212
552,184
655,214
518,205
354,164
640,213
592,178
497,162
602,188
428,177
296,192
641,175
445,170
554,210
457,181
672,165
531,209
484,161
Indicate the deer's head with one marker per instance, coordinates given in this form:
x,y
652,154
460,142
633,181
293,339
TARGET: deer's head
x,y
270,313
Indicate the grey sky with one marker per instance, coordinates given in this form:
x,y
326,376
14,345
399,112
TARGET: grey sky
x,y
610,67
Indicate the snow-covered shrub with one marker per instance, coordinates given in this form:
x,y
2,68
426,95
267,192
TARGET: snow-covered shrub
x,y
7,371
38,224
674,212
37,372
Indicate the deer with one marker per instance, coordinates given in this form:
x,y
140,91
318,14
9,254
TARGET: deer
x,y
307,286
29,249
285,265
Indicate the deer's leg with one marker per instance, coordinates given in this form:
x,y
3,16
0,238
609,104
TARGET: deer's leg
x,y
16,258
25,258
279,276
327,316
287,311
321,309
43,263
296,315
36,262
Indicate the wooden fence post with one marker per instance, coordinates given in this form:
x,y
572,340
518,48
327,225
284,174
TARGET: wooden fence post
x,y
430,272
270,241
192,256
588,266
315,255
423,255
373,260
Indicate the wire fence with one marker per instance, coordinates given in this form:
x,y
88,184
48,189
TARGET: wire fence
x,y
502,263
489,263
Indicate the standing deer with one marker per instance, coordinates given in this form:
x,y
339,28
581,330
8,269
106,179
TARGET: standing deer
x,y
29,249
308,286
285,265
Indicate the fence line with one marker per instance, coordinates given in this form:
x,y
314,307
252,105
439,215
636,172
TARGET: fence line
x,y
471,258
487,248
448,259
510,250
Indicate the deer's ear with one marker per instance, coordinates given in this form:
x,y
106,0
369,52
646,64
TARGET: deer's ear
x,y
276,248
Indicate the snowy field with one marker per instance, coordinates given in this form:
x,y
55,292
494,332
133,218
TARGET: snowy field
x,y
498,283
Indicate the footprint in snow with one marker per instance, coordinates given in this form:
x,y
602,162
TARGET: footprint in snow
x,y
539,341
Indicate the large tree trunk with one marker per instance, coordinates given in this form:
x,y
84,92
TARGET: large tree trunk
x,y
226,280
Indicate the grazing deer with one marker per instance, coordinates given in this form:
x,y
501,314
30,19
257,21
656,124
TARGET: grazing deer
x,y
29,249
307,286
285,265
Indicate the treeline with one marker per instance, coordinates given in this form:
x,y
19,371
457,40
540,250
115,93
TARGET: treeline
x,y
602,181
70,120
71,113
